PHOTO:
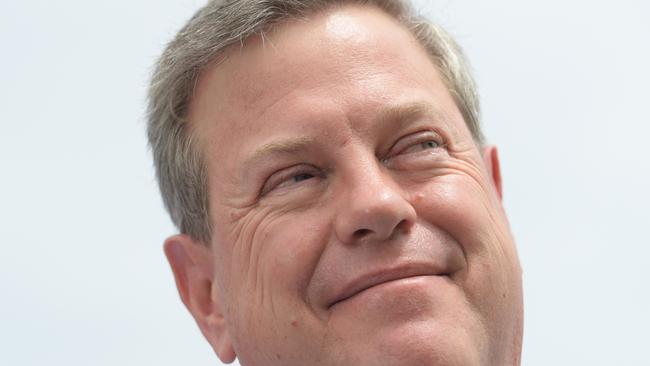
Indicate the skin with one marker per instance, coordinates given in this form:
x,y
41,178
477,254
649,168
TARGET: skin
x,y
336,155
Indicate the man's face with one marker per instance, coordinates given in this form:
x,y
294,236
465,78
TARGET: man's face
x,y
355,221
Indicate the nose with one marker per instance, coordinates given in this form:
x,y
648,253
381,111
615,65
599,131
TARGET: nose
x,y
373,209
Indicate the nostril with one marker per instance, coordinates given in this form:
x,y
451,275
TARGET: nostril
x,y
361,233
403,225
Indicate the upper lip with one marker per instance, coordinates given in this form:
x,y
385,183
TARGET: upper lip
x,y
374,278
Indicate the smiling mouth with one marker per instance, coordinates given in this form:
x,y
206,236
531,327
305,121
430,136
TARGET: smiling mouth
x,y
372,287
371,281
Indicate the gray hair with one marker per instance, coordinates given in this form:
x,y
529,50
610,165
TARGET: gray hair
x,y
179,162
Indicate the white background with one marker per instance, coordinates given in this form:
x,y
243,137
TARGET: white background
x,y
83,281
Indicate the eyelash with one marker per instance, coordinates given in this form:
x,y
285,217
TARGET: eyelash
x,y
283,176
416,139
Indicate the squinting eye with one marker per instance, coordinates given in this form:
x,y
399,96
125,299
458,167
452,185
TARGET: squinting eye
x,y
416,146
288,177
429,145
421,146
300,177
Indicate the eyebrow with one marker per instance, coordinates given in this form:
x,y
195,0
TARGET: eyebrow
x,y
388,115
406,112
286,147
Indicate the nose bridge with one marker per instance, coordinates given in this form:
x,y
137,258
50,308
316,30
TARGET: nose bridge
x,y
374,207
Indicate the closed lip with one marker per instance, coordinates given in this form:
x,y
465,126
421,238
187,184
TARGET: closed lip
x,y
371,279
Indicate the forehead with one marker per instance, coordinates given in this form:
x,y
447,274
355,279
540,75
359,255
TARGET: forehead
x,y
336,65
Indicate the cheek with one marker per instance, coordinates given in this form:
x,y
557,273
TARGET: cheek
x,y
294,248
272,264
461,207
458,205
275,255
491,282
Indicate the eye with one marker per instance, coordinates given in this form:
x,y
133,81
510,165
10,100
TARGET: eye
x,y
419,142
421,146
300,177
289,177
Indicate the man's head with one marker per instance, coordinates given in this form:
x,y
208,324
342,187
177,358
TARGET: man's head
x,y
324,164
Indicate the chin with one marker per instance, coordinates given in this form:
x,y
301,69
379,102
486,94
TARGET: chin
x,y
423,343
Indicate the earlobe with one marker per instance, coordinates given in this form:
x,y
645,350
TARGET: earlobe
x,y
219,337
222,344
192,265
491,161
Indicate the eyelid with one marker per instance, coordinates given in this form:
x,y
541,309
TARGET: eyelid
x,y
413,139
282,175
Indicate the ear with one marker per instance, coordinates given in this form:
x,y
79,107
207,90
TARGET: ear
x,y
491,161
193,264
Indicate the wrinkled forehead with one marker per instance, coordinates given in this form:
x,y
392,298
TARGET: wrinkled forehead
x,y
324,51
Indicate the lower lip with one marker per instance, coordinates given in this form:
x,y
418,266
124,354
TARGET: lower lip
x,y
409,289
